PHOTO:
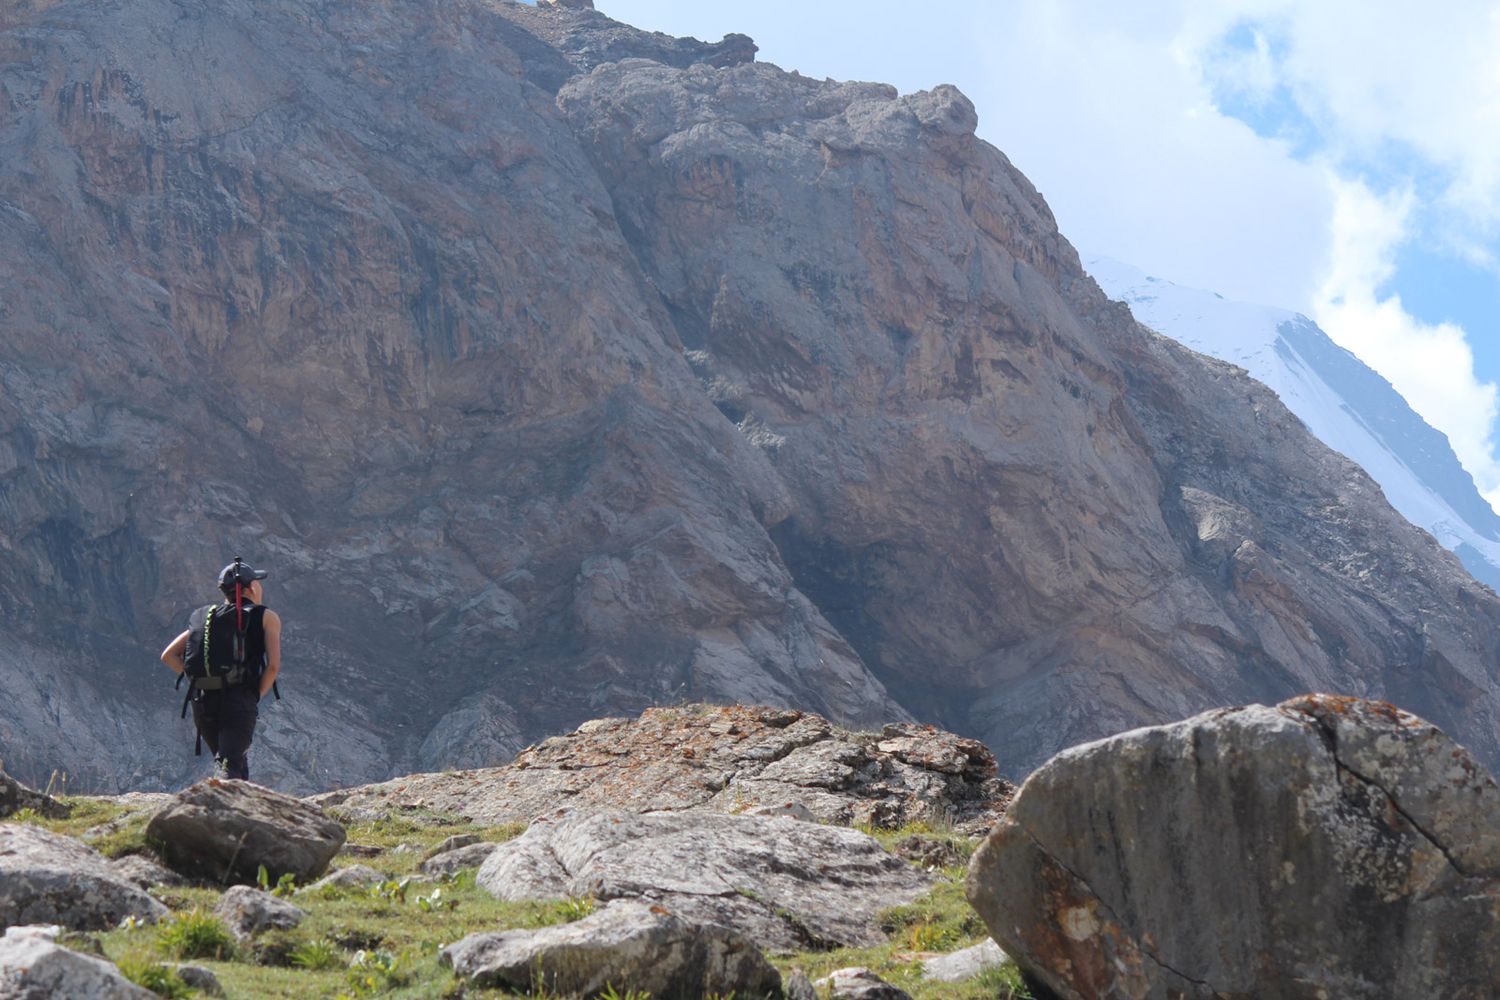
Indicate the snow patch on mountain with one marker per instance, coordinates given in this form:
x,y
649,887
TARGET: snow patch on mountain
x,y
1345,403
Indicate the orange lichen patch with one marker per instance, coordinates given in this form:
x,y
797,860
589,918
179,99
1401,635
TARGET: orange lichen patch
x,y
1325,707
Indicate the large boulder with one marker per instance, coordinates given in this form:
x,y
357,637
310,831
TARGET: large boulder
x,y
731,758
33,966
1326,847
627,946
787,884
47,878
224,831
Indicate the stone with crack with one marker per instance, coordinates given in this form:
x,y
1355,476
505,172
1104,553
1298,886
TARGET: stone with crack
x,y
48,878
632,947
226,831
786,884
1323,847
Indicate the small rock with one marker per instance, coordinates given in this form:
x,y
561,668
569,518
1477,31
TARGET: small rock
x,y
795,810
798,987
627,945
227,830
15,796
859,984
247,911
353,877
198,978
454,861
33,966
453,843
145,872
929,853
48,878
966,963
361,850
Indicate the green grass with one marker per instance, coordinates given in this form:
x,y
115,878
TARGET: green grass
x,y
84,814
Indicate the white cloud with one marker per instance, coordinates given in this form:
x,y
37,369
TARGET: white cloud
x,y
1432,366
1134,159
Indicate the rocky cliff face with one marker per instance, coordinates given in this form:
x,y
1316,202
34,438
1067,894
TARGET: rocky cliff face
x,y
556,368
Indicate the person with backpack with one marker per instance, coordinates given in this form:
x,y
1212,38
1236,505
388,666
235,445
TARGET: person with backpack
x,y
230,656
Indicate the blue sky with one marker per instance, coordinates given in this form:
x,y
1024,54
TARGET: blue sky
x,y
1337,157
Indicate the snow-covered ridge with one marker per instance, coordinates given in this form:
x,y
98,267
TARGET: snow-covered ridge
x,y
1341,400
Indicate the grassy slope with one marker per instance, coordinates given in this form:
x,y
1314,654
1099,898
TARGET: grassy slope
x,y
401,929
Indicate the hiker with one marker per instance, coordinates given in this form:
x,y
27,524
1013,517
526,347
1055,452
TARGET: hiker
x,y
230,655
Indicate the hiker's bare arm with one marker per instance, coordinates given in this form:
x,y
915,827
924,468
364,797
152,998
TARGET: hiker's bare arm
x,y
272,625
172,655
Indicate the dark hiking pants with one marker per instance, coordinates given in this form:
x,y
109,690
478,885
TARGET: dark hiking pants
x,y
226,721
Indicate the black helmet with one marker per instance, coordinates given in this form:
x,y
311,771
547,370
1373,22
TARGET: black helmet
x,y
241,571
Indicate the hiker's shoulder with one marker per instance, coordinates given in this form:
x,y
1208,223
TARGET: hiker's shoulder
x,y
269,617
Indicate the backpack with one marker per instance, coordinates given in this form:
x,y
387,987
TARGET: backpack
x,y
215,654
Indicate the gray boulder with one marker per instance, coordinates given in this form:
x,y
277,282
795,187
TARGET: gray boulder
x,y
627,945
247,911
786,884
966,963
33,966
46,878
459,858
1326,847
224,831
858,984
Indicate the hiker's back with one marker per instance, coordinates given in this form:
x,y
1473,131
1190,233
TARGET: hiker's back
x,y
214,632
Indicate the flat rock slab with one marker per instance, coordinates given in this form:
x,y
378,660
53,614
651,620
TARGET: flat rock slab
x,y
224,831
248,911
33,966
786,884
47,878
1326,847
734,758
627,946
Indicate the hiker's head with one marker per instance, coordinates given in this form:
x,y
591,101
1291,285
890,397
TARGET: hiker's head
x,y
246,576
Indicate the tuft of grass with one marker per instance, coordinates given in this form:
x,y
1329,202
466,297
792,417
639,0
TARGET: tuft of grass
x,y
611,994
194,934
317,955
574,908
154,976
